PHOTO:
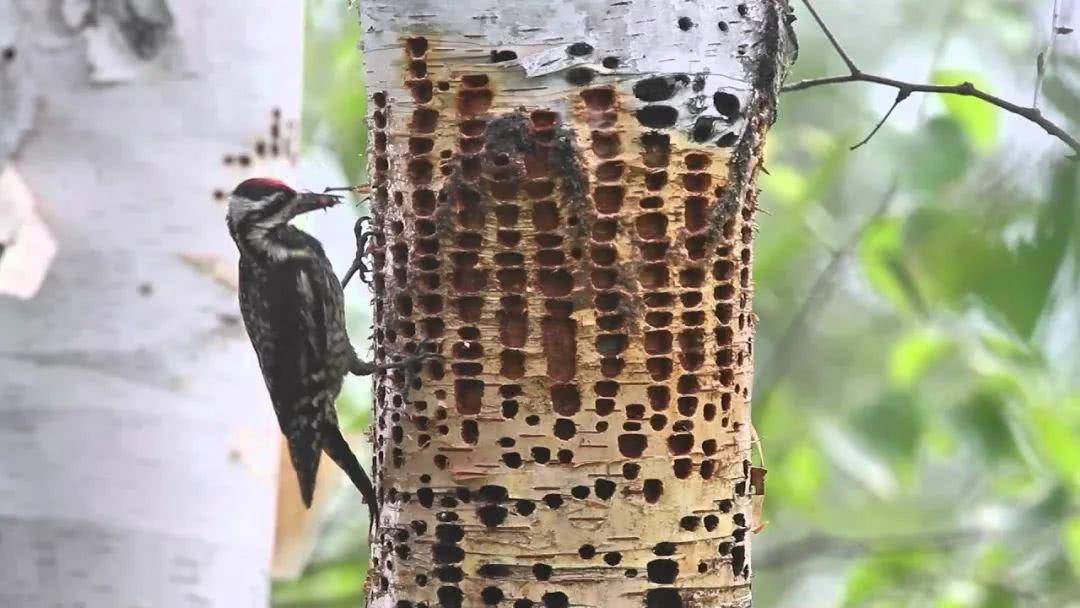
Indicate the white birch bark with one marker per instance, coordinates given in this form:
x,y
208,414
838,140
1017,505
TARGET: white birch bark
x,y
138,450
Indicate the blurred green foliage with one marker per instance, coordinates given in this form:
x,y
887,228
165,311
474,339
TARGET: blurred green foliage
x,y
918,354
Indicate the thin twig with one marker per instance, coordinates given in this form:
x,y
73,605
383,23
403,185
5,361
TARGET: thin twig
x,y
852,68
965,89
901,95
1044,56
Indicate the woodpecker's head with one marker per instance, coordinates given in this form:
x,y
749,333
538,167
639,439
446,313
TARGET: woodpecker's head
x,y
262,204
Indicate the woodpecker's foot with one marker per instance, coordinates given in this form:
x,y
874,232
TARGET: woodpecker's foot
x,y
363,236
365,368
358,266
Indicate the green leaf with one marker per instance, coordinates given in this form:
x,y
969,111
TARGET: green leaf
x,y
936,156
1057,434
882,260
1012,280
884,573
915,353
1070,537
784,183
892,425
978,118
324,584
799,478
983,418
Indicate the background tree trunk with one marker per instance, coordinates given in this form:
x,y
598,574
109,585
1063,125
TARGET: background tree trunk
x,y
564,202
139,448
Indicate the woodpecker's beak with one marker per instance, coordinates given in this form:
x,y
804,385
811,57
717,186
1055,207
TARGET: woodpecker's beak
x,y
310,201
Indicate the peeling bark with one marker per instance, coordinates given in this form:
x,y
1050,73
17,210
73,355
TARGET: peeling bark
x,y
564,204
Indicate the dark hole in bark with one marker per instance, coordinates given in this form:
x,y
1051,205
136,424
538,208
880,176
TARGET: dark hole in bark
x,y
657,148
653,276
727,139
580,76
726,104
565,429
423,120
656,88
510,409
657,116
541,454
598,99
491,595
663,598
579,49
555,599
450,597
652,489
469,394
491,515
685,23
417,46
632,445
662,571
664,548
447,553
608,199
605,144
703,129
656,180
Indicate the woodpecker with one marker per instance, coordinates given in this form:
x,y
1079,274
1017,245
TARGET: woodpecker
x,y
293,308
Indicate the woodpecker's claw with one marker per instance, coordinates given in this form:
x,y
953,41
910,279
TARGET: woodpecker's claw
x,y
366,368
358,264
408,361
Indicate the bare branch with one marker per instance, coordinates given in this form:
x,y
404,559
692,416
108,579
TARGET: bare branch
x,y
964,89
852,68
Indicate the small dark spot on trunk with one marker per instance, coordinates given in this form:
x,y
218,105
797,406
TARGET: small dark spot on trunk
x,y
579,49
580,76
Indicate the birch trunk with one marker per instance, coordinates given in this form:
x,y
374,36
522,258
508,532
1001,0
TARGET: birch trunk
x,y
564,200
139,448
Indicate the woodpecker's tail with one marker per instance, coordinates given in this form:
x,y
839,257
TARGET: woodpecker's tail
x,y
304,452
338,449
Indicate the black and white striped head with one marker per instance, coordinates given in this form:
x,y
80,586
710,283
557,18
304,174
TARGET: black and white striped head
x,y
261,204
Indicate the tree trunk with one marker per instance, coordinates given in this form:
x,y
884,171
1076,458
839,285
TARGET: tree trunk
x,y
139,447
564,204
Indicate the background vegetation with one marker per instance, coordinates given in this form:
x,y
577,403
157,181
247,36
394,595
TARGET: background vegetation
x,y
918,360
